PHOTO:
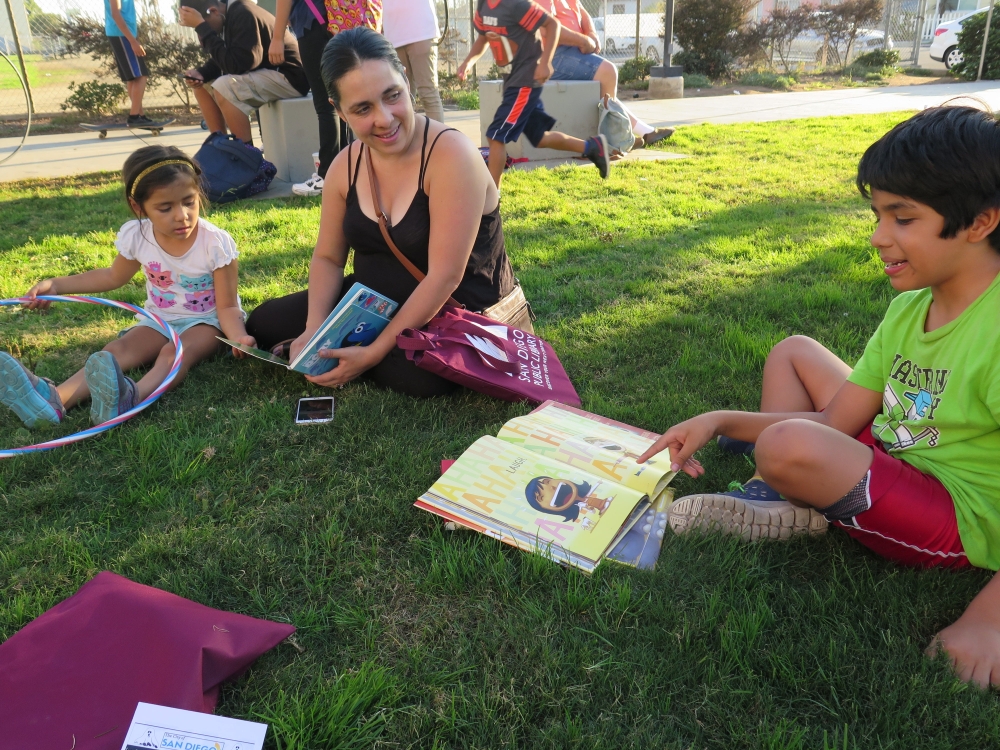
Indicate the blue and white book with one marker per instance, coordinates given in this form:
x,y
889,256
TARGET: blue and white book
x,y
357,320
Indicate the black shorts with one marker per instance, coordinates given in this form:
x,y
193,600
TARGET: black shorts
x,y
521,111
130,65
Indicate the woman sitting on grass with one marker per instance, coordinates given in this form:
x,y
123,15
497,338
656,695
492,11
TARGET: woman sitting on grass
x,y
190,270
903,450
443,213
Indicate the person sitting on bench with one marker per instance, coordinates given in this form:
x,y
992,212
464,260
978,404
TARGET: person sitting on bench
x,y
239,77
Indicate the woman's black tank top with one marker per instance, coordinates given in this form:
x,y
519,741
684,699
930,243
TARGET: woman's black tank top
x,y
488,276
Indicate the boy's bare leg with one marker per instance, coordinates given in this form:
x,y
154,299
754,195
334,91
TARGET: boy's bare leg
x,y
810,462
801,374
139,346
199,344
562,142
210,110
238,122
497,160
136,88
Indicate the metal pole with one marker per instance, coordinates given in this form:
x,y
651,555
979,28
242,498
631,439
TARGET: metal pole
x,y
885,26
638,15
20,54
986,38
668,32
918,33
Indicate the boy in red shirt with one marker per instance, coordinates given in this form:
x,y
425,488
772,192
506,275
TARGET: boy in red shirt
x,y
518,23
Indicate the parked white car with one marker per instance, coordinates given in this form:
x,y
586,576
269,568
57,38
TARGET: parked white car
x,y
617,32
944,46
807,46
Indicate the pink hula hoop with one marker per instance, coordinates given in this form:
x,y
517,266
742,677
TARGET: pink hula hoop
x,y
165,329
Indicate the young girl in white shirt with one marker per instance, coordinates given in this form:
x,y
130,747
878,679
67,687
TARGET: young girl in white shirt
x,y
191,273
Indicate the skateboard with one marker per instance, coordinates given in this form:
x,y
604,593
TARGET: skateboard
x,y
102,130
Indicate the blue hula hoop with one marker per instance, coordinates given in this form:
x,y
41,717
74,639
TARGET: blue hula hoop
x,y
165,329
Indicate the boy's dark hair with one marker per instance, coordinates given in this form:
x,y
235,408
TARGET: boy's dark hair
x,y
201,6
348,49
947,158
142,164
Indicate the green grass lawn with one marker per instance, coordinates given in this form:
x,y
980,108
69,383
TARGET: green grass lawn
x,y
662,289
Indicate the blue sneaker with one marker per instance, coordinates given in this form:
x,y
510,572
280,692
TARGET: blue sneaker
x,y
32,398
111,393
739,447
752,511
754,489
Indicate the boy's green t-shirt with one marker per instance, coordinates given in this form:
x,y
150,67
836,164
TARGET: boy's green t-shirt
x,y
941,406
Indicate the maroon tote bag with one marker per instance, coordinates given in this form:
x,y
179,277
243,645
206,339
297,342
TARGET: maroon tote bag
x,y
488,356
73,676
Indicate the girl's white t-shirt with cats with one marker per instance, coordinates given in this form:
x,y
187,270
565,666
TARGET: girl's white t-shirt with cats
x,y
179,289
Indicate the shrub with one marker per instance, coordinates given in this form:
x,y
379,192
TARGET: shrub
x,y
767,79
94,97
709,32
635,69
697,81
466,99
970,42
878,58
714,64
166,54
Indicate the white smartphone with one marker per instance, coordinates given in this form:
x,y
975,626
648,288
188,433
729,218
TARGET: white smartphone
x,y
314,410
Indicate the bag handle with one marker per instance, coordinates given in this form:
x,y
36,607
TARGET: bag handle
x,y
410,340
383,222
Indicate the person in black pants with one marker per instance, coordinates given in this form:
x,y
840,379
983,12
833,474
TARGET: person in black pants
x,y
307,19
443,212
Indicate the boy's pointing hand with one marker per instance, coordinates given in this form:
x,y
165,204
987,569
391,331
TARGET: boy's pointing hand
x,y
683,440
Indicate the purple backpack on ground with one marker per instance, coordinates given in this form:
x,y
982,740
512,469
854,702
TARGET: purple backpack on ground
x,y
488,356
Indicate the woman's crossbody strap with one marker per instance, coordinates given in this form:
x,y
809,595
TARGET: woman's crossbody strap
x,y
383,224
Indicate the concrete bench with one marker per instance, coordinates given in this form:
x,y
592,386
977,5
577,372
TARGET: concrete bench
x,y
291,135
572,103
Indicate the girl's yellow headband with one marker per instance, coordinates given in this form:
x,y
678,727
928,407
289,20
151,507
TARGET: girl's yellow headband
x,y
154,167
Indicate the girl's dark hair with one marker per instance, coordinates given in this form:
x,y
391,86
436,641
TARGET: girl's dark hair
x,y
947,158
145,160
348,49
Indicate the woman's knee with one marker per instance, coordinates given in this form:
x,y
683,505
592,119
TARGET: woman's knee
x,y
607,76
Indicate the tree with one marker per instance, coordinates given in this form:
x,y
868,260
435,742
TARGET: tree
x,y
784,26
708,30
841,24
40,22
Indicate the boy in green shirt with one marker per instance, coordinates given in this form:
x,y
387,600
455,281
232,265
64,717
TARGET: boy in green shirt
x,y
903,450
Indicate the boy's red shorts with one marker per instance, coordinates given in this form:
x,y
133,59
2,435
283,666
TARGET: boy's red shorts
x,y
912,516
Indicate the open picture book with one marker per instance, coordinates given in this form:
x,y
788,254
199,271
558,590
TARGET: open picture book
x,y
564,483
357,320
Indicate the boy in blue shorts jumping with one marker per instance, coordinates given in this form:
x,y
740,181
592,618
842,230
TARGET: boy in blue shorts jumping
x,y
121,29
517,24
902,451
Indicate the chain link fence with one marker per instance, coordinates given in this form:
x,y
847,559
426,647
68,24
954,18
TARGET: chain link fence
x,y
62,47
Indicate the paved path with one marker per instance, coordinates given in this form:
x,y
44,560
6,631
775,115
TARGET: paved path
x,y
77,153
798,104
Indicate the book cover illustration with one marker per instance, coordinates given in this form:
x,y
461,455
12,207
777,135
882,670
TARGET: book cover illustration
x,y
156,727
595,447
357,320
503,485
640,545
